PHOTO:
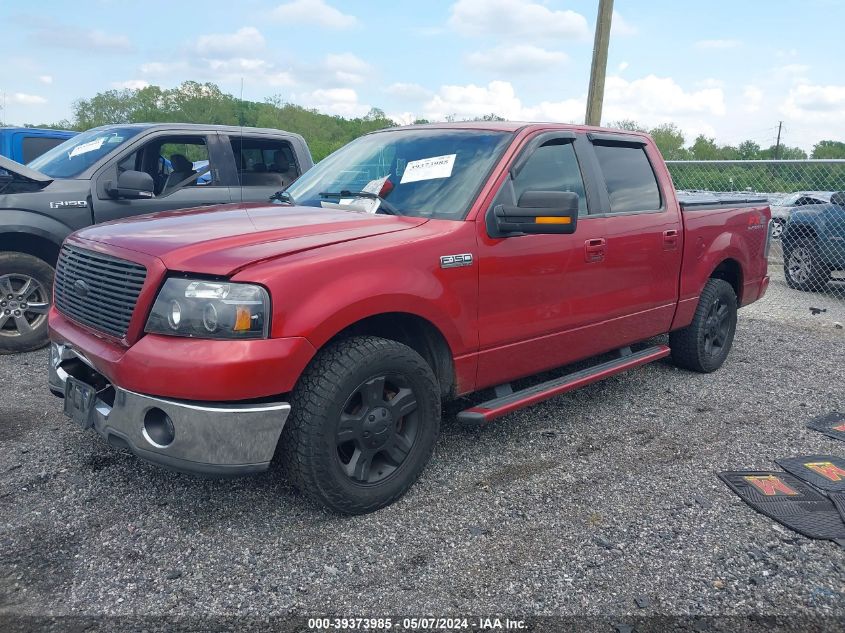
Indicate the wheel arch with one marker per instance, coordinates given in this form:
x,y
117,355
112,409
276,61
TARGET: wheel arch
x,y
730,270
35,244
416,332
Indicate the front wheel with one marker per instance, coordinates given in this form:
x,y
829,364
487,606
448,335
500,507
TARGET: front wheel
x,y
26,285
365,416
802,268
704,344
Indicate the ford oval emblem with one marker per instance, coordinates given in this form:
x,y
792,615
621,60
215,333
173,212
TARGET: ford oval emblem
x,y
80,288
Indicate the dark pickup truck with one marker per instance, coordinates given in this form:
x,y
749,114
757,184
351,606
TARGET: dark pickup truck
x,y
413,265
113,172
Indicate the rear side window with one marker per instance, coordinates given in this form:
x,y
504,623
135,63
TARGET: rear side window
x,y
631,183
33,146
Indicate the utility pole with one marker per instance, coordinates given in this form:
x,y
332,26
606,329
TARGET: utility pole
x,y
595,96
777,144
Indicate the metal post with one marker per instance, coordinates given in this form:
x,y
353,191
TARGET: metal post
x,y
595,96
777,145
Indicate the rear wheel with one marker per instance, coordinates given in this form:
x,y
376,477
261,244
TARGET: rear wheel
x,y
704,345
365,416
26,286
777,228
802,268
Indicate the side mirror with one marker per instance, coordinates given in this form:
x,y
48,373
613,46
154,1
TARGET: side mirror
x,y
538,212
132,185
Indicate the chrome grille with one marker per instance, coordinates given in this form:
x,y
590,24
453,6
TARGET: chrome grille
x,y
98,290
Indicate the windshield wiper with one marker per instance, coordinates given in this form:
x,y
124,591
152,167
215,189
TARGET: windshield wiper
x,y
283,196
388,208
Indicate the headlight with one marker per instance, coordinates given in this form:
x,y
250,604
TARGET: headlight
x,y
210,309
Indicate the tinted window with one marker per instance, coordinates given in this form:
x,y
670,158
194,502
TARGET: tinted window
x,y
264,162
33,146
552,167
631,183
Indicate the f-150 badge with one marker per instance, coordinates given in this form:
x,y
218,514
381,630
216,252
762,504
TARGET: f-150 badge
x,y
454,261
69,204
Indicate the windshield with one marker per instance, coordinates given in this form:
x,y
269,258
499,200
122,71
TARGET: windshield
x,y
423,172
77,154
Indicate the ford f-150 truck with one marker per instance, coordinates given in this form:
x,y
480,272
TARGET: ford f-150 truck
x,y
114,172
411,266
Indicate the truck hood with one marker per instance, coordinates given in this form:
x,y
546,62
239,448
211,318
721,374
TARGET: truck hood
x,y
22,171
223,239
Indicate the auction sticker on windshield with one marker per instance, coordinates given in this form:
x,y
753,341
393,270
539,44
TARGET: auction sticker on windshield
x,y
428,168
87,147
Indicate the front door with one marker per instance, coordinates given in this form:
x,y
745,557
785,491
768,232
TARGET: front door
x,y
534,288
184,168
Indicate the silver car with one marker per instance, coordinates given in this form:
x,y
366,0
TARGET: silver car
x,y
783,208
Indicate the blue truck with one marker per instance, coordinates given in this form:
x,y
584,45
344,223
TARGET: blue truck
x,y
23,144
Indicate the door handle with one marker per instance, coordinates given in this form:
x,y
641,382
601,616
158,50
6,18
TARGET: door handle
x,y
595,249
670,240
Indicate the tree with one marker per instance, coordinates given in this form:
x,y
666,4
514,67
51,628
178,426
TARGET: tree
x,y
704,148
748,150
629,125
828,149
670,141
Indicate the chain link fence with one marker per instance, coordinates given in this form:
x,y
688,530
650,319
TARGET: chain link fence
x,y
807,256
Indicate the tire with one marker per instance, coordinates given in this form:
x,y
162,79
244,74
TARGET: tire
x,y
343,418
704,344
778,225
26,289
802,268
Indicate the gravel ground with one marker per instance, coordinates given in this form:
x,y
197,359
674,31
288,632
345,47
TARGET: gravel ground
x,y
572,507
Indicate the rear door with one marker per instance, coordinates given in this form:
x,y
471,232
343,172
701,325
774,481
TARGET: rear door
x,y
643,236
171,158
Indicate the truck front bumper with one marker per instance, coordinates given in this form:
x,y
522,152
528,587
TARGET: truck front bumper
x,y
209,438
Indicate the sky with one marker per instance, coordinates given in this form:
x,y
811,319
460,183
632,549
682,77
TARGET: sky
x,y
727,69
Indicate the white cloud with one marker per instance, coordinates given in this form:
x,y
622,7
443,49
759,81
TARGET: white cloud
x,y
25,99
338,101
516,19
752,99
346,68
252,70
620,26
227,45
88,40
717,44
794,70
45,79
131,84
815,103
521,58
623,66
313,12
469,101
408,91
654,98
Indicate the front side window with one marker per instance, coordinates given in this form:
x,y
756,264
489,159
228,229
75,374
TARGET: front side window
x,y
631,183
173,162
433,173
77,154
552,167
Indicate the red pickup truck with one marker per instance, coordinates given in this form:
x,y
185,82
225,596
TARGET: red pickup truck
x,y
411,266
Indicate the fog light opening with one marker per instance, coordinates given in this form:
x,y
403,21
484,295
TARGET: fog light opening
x,y
158,428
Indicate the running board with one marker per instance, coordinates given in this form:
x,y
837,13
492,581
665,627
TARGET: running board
x,y
497,407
